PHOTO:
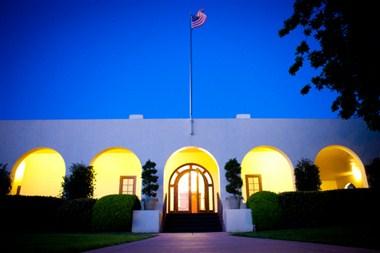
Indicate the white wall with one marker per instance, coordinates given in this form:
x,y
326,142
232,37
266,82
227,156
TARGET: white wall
x,y
157,139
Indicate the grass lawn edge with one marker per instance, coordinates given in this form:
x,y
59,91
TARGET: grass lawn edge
x,y
69,242
341,236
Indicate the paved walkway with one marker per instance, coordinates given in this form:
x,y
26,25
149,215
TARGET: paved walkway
x,y
222,242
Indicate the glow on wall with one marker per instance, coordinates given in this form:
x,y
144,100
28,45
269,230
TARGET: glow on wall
x,y
39,172
339,167
272,166
194,155
112,164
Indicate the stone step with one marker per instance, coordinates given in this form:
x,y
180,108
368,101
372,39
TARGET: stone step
x,y
192,222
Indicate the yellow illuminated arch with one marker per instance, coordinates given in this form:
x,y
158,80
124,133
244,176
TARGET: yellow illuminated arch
x,y
112,164
272,166
340,166
196,155
38,172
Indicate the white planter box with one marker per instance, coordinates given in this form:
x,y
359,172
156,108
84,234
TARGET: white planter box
x,y
146,221
238,220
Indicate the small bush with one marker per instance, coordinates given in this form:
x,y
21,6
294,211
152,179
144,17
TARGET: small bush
x,y
307,176
114,212
75,215
28,213
266,209
373,174
5,180
80,184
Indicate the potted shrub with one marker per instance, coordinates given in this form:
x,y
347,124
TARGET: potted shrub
x,y
150,186
234,184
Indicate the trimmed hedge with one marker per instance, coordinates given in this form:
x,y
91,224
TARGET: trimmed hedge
x,y
28,213
266,209
327,208
75,215
345,207
114,212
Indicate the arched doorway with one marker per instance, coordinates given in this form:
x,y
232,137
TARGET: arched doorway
x,y
202,165
340,168
191,189
266,168
38,172
117,171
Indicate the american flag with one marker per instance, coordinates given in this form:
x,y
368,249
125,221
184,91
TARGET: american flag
x,y
198,20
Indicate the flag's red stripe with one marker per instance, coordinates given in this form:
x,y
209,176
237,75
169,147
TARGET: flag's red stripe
x,y
201,19
198,23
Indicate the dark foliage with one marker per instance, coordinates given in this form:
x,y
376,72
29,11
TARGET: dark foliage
x,y
330,208
149,179
233,171
347,55
266,209
29,213
307,176
373,174
5,180
75,215
80,184
114,213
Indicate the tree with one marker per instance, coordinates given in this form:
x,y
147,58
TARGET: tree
x,y
307,176
373,174
233,171
149,179
80,184
5,180
346,55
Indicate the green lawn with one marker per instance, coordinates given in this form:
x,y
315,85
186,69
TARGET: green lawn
x,y
346,236
57,242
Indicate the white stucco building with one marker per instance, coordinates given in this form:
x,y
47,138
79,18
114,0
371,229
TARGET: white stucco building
x,y
269,148
190,167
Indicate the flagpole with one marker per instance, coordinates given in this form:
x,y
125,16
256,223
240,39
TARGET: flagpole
x,y
191,78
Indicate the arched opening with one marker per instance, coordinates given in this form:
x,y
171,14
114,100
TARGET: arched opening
x,y
266,168
117,171
191,181
39,172
340,168
191,189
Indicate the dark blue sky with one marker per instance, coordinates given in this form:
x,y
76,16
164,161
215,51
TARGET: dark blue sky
x,y
108,59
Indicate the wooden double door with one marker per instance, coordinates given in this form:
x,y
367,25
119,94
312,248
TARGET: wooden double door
x,y
191,190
